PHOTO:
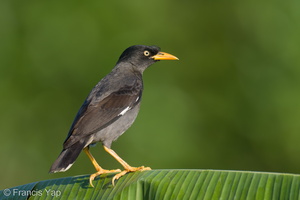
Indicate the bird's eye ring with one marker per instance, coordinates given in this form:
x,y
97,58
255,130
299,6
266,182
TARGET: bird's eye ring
x,y
146,53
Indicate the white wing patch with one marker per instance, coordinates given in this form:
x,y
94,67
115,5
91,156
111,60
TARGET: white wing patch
x,y
124,111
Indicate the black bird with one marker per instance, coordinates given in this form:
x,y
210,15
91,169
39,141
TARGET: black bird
x,y
109,110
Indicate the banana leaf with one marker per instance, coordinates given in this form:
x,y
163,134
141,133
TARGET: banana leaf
x,y
165,184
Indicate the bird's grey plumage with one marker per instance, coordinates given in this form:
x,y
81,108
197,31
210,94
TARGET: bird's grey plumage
x,y
110,108
102,108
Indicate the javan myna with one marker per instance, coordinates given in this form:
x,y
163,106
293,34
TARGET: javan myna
x,y
109,110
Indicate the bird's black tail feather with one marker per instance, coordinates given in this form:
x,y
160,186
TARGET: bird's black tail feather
x,y
67,158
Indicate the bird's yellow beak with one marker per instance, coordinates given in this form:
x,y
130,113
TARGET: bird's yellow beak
x,y
164,56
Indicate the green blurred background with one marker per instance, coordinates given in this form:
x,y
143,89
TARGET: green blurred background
x,y
231,102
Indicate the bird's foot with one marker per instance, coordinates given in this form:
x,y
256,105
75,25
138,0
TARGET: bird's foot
x,y
129,169
102,171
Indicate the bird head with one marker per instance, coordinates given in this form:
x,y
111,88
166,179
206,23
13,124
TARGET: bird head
x,y
142,56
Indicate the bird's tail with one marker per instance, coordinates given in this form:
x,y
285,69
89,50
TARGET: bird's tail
x,y
67,158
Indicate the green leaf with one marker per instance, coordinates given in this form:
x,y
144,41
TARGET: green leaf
x,y
165,184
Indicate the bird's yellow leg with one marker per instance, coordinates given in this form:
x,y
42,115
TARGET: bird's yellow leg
x,y
127,167
99,169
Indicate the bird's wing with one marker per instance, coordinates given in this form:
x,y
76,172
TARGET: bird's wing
x,y
95,115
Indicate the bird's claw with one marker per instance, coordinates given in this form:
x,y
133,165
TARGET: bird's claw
x,y
131,169
103,171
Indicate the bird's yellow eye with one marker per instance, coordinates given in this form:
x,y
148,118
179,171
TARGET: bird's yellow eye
x,y
146,53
